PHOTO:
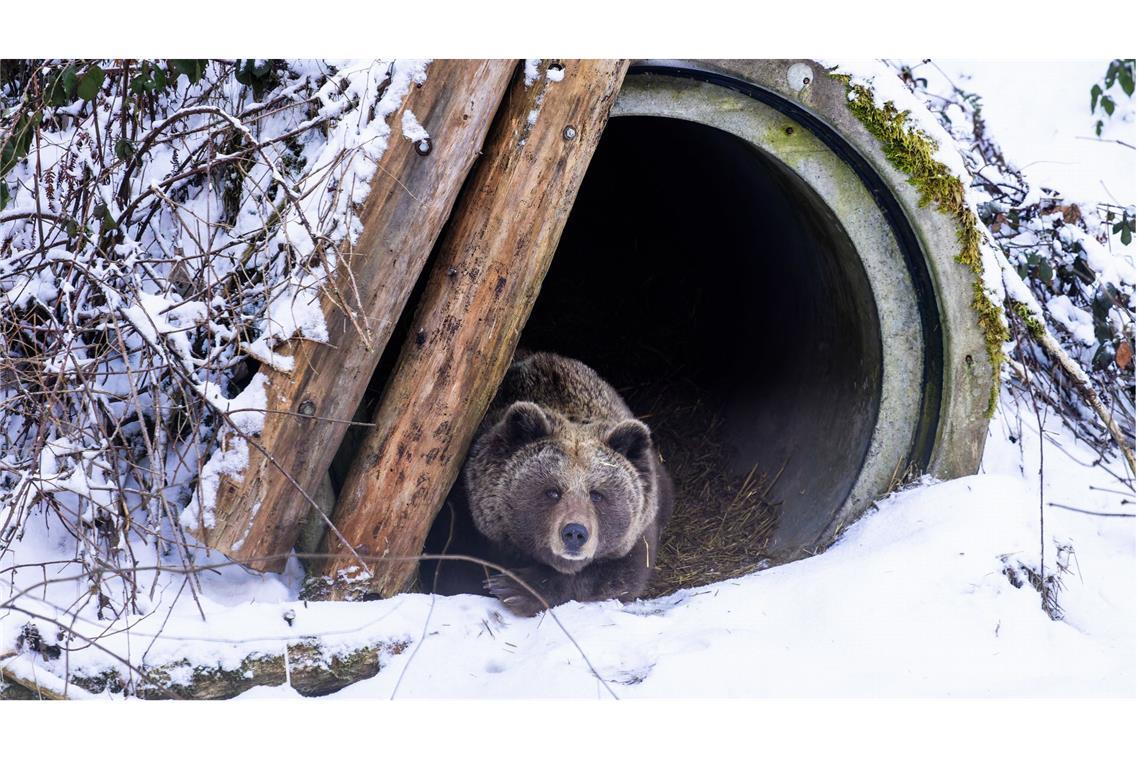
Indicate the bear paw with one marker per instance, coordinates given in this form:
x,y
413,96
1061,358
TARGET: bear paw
x,y
514,595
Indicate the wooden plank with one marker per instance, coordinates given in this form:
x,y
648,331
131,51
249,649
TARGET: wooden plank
x,y
479,294
260,514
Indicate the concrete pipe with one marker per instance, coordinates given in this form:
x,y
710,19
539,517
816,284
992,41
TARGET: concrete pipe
x,y
742,244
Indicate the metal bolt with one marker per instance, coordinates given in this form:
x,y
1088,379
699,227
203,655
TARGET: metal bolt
x,y
308,408
799,76
423,147
569,133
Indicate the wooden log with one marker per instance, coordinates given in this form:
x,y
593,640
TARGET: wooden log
x,y
260,513
479,294
311,669
21,680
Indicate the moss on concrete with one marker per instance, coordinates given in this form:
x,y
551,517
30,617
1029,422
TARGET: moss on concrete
x,y
913,153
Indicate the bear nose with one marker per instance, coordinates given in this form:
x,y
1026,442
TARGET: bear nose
x,y
575,536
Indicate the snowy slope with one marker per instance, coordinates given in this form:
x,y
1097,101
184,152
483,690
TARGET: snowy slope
x,y
913,600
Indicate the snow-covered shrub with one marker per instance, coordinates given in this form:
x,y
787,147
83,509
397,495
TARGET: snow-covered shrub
x,y
1072,260
164,226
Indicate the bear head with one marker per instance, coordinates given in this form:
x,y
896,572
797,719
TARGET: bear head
x,y
560,491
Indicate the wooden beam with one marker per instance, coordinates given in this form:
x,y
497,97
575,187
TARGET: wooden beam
x,y
259,514
479,294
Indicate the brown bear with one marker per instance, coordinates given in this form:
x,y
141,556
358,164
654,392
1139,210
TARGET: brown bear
x,y
562,486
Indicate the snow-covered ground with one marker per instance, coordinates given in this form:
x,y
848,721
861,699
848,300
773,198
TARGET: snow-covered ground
x,y
912,601
915,599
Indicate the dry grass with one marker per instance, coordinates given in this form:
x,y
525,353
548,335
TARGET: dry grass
x,y
722,520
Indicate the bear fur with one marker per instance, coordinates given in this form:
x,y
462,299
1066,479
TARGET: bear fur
x,y
558,447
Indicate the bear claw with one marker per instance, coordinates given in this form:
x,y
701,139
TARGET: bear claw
x,y
516,598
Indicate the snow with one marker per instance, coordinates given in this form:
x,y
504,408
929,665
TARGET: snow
x,y
412,128
530,71
1079,323
1055,146
915,599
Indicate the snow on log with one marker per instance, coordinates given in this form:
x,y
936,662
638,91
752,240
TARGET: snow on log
x,y
258,515
310,669
479,294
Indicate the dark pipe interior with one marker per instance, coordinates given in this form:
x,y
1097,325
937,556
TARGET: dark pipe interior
x,y
722,298
693,261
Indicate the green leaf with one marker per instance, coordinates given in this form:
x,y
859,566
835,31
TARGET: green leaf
x,y
160,80
1126,229
1099,126
1096,91
5,195
1103,331
193,68
15,148
1108,104
69,78
55,95
1044,271
62,89
1127,83
124,148
90,83
100,211
243,72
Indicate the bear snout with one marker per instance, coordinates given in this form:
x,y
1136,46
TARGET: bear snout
x,y
574,537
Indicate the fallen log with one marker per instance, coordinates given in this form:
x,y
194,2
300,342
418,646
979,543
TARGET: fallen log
x,y
259,514
21,680
479,293
308,667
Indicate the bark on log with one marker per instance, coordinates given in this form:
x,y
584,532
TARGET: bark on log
x,y
411,197
492,259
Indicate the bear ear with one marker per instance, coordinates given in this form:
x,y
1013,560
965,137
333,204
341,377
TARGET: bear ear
x,y
631,439
524,423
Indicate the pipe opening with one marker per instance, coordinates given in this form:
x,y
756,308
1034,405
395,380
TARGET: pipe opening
x,y
722,298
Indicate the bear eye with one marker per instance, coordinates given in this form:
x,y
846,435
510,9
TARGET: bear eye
x,y
597,497
554,494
